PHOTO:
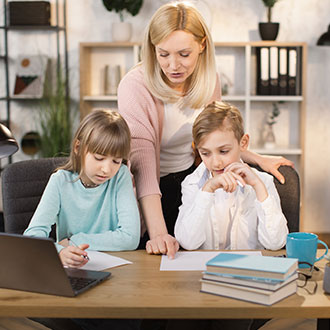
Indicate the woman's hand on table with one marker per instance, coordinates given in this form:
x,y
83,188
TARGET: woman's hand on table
x,y
163,244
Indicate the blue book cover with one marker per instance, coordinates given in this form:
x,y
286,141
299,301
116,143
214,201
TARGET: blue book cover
x,y
252,265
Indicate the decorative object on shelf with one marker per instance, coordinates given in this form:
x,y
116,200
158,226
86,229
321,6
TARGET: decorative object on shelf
x,y
226,84
324,39
30,75
270,141
122,31
30,143
269,30
8,144
56,119
29,13
112,76
226,70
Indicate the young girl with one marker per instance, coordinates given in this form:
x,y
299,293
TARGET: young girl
x,y
91,197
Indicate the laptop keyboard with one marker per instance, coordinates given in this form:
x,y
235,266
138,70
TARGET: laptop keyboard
x,y
79,283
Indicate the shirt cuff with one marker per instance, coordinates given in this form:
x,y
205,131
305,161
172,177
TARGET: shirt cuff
x,y
204,198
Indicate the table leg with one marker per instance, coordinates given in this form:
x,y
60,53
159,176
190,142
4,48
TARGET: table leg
x,y
323,324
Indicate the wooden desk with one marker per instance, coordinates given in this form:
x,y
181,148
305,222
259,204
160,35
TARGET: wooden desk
x,y
140,290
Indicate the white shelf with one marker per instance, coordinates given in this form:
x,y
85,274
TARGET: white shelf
x,y
278,151
100,98
229,98
276,98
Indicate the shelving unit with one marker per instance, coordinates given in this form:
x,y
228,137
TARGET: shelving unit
x,y
242,56
59,28
94,56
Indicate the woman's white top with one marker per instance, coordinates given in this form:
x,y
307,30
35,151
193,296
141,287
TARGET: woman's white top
x,y
176,153
232,221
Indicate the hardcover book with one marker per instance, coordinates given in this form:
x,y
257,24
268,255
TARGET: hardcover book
x,y
283,71
255,295
252,265
267,284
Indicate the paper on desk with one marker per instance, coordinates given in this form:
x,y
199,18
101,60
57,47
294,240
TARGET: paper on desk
x,y
194,260
100,261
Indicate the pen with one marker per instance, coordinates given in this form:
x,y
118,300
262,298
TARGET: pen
x,y
239,183
74,244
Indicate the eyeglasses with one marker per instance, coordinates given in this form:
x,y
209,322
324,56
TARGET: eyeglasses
x,y
304,275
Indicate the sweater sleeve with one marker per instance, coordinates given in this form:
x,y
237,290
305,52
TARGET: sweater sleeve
x,y
272,224
141,111
126,235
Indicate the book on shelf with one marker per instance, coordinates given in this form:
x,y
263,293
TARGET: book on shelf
x,y
292,72
279,70
283,71
261,283
263,71
274,72
252,265
255,295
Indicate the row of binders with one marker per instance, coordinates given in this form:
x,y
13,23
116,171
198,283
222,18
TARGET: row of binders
x,y
255,278
279,70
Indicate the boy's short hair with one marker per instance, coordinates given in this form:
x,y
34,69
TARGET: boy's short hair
x,y
218,116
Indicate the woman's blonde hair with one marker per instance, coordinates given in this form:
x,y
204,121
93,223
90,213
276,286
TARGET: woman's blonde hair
x,y
103,132
218,116
179,16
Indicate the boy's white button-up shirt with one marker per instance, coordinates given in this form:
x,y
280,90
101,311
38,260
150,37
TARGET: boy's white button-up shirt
x,y
232,221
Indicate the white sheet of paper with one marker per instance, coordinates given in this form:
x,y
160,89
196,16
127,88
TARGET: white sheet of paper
x,y
100,261
194,260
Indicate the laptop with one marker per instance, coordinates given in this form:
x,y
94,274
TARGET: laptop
x,y
33,264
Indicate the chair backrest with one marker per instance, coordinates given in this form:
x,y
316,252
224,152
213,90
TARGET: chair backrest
x,y
289,193
22,186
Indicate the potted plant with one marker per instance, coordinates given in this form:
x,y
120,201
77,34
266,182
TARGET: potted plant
x,y
122,31
269,30
56,119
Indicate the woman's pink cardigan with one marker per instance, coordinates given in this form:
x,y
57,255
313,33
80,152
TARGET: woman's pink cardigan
x,y
144,114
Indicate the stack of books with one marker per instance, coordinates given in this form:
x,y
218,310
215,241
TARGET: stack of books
x,y
255,278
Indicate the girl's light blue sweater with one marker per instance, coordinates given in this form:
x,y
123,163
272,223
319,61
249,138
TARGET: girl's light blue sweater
x,y
105,217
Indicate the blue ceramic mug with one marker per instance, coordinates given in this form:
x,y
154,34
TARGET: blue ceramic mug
x,y
303,246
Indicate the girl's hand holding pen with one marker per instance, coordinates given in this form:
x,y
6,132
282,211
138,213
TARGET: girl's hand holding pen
x,y
74,256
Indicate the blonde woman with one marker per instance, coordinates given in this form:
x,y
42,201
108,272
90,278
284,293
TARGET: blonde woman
x,y
160,99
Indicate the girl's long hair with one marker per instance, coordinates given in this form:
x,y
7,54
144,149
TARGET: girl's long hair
x,y
103,132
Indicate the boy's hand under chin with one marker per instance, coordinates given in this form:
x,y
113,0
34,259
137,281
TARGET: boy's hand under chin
x,y
245,172
228,181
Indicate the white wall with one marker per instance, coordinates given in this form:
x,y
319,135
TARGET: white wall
x,y
234,20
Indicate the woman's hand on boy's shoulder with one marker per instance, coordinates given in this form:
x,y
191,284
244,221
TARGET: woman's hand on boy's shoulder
x,y
271,164
163,244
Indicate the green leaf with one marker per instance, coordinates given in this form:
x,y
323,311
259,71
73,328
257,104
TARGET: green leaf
x,y
132,6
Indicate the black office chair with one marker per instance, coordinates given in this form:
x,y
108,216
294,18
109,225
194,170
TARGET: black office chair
x,y
22,186
289,193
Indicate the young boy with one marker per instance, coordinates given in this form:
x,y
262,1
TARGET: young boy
x,y
225,203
